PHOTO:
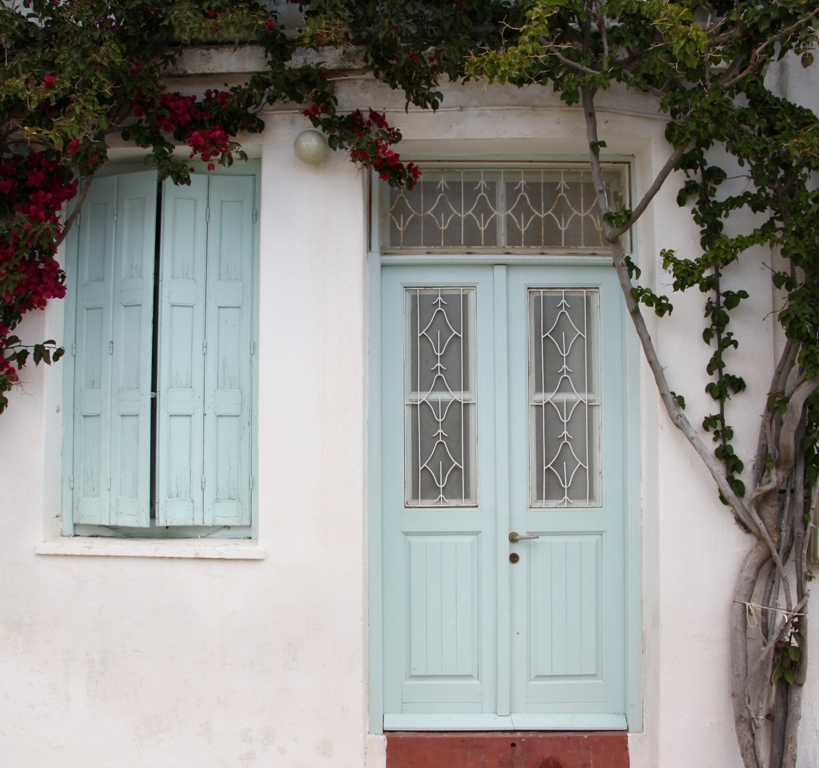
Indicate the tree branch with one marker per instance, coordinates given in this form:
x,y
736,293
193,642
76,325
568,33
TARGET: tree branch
x,y
757,54
573,64
672,407
787,438
783,369
655,187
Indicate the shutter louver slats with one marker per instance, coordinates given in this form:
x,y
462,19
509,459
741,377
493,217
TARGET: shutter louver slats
x,y
132,337
227,364
92,373
181,368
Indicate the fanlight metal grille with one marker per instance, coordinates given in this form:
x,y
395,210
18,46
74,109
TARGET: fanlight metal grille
x,y
511,209
564,401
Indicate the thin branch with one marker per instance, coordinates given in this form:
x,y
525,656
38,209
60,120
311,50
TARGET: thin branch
x,y
783,369
573,64
76,212
757,54
768,649
787,438
601,25
653,90
765,535
655,187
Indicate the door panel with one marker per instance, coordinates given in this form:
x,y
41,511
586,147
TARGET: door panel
x,y
523,410
567,591
439,619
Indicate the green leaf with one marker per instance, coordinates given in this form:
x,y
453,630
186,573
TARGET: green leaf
x,y
789,676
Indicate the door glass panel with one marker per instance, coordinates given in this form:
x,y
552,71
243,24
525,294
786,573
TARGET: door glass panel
x,y
564,402
440,403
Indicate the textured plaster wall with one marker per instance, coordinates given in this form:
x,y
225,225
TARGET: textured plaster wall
x,y
165,663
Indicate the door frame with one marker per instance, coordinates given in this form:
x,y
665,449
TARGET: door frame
x,y
631,447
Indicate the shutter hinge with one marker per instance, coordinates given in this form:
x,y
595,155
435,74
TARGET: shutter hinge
x,y
255,215
111,347
109,482
207,213
115,214
74,348
252,347
251,482
203,482
154,394
71,481
205,347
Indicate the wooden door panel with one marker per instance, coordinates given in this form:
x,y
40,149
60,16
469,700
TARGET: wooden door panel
x,y
472,639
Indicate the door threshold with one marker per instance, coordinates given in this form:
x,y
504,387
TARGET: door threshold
x,y
517,722
516,749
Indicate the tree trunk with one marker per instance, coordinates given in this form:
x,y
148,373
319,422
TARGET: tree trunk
x,y
752,564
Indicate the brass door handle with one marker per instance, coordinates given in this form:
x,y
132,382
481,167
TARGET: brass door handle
x,y
515,537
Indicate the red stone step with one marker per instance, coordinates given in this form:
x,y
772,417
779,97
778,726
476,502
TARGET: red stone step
x,y
508,750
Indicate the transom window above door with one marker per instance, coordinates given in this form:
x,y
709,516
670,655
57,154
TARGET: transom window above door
x,y
518,208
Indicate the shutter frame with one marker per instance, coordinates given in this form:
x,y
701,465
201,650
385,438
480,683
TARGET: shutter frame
x,y
228,369
92,368
183,260
131,354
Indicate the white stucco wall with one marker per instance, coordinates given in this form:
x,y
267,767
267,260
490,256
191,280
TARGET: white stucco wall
x,y
133,661
164,662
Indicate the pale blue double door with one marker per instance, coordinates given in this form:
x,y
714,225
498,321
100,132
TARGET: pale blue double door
x,y
502,413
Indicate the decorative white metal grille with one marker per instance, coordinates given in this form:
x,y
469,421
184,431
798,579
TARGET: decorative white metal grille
x,y
564,404
491,209
440,443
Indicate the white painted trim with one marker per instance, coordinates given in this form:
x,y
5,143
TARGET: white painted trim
x,y
195,549
374,604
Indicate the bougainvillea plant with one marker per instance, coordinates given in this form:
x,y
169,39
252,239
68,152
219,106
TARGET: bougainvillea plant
x,y
76,72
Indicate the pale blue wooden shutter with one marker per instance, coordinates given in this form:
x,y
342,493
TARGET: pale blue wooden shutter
x,y
229,319
115,275
180,471
131,363
92,376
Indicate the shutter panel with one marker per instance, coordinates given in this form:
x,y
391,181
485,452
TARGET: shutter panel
x,y
227,363
181,346
131,358
92,374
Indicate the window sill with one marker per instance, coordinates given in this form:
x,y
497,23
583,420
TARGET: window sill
x,y
195,549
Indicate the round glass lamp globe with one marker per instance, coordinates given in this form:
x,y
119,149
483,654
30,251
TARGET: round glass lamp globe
x,y
310,147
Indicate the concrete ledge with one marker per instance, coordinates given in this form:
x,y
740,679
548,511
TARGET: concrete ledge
x,y
196,549
227,59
